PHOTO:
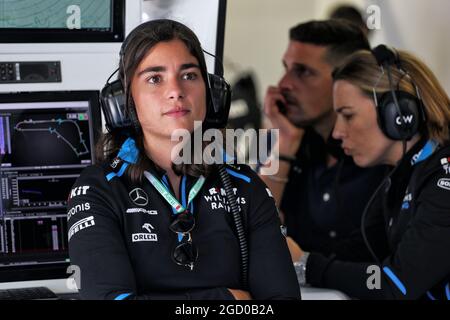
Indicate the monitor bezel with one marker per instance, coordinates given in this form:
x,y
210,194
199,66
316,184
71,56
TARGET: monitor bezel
x,y
41,35
56,270
220,37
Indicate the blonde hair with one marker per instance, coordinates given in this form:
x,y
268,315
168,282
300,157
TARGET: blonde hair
x,y
362,70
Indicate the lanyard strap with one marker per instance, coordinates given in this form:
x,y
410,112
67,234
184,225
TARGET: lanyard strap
x,y
174,203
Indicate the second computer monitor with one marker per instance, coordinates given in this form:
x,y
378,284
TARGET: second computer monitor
x,y
46,140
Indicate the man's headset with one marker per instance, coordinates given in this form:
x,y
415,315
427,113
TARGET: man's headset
x,y
121,114
400,114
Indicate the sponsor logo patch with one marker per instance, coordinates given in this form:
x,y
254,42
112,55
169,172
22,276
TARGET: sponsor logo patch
x,y
217,199
444,184
81,225
78,191
142,210
78,208
445,162
406,201
115,162
150,236
139,197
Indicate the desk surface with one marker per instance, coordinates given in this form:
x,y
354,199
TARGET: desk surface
x,y
61,286
58,286
309,293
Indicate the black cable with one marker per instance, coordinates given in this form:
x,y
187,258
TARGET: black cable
x,y
112,74
221,71
366,210
387,178
363,222
240,230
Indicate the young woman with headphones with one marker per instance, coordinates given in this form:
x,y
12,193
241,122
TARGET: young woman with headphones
x,y
392,110
144,228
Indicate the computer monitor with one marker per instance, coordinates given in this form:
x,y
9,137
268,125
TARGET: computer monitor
x,y
31,21
46,140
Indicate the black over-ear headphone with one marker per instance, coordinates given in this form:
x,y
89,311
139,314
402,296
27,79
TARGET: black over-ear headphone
x,y
120,114
400,114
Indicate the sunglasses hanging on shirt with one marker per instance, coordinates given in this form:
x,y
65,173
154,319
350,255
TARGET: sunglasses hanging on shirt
x,y
185,253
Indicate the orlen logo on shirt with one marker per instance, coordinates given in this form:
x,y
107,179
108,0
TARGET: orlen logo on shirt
x,y
444,184
79,191
150,236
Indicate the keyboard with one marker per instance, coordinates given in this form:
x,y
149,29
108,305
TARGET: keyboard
x,y
34,293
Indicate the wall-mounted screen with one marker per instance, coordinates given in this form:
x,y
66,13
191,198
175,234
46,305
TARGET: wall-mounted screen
x,y
30,21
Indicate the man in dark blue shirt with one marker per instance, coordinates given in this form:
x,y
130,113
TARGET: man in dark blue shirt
x,y
320,191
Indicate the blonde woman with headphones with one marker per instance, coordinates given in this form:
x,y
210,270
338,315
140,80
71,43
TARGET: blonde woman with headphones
x,y
392,110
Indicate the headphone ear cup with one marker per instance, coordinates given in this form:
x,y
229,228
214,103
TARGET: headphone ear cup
x,y
397,126
112,101
218,102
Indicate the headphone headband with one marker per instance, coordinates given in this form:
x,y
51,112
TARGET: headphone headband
x,y
386,56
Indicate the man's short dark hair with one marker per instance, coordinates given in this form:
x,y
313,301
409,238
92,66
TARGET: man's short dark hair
x,y
349,13
340,37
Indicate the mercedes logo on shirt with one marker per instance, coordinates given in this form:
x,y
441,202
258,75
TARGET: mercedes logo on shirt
x,y
139,197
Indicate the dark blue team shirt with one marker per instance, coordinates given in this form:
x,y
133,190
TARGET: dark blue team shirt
x,y
323,206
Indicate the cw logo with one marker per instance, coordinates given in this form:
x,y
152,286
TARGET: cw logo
x,y
406,119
